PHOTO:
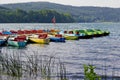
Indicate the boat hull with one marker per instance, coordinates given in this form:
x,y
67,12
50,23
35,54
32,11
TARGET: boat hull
x,y
17,43
39,40
2,42
56,39
68,37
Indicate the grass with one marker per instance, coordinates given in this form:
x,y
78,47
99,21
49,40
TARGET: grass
x,y
31,67
15,66
89,73
11,65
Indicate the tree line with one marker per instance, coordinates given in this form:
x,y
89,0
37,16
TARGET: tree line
x,y
80,14
40,16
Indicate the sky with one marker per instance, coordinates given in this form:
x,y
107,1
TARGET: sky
x,y
100,3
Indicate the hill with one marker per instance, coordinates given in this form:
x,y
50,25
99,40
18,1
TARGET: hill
x,y
40,16
3,8
80,14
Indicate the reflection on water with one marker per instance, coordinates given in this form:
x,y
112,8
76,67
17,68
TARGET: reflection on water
x,y
38,45
103,52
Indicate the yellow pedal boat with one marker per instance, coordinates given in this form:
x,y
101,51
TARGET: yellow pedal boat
x,y
40,40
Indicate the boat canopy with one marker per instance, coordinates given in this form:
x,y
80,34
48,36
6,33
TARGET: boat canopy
x,y
6,32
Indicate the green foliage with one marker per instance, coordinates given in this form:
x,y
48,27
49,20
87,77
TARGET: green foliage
x,y
41,16
80,14
90,73
31,67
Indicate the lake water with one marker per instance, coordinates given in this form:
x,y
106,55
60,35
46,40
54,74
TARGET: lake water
x,y
103,52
